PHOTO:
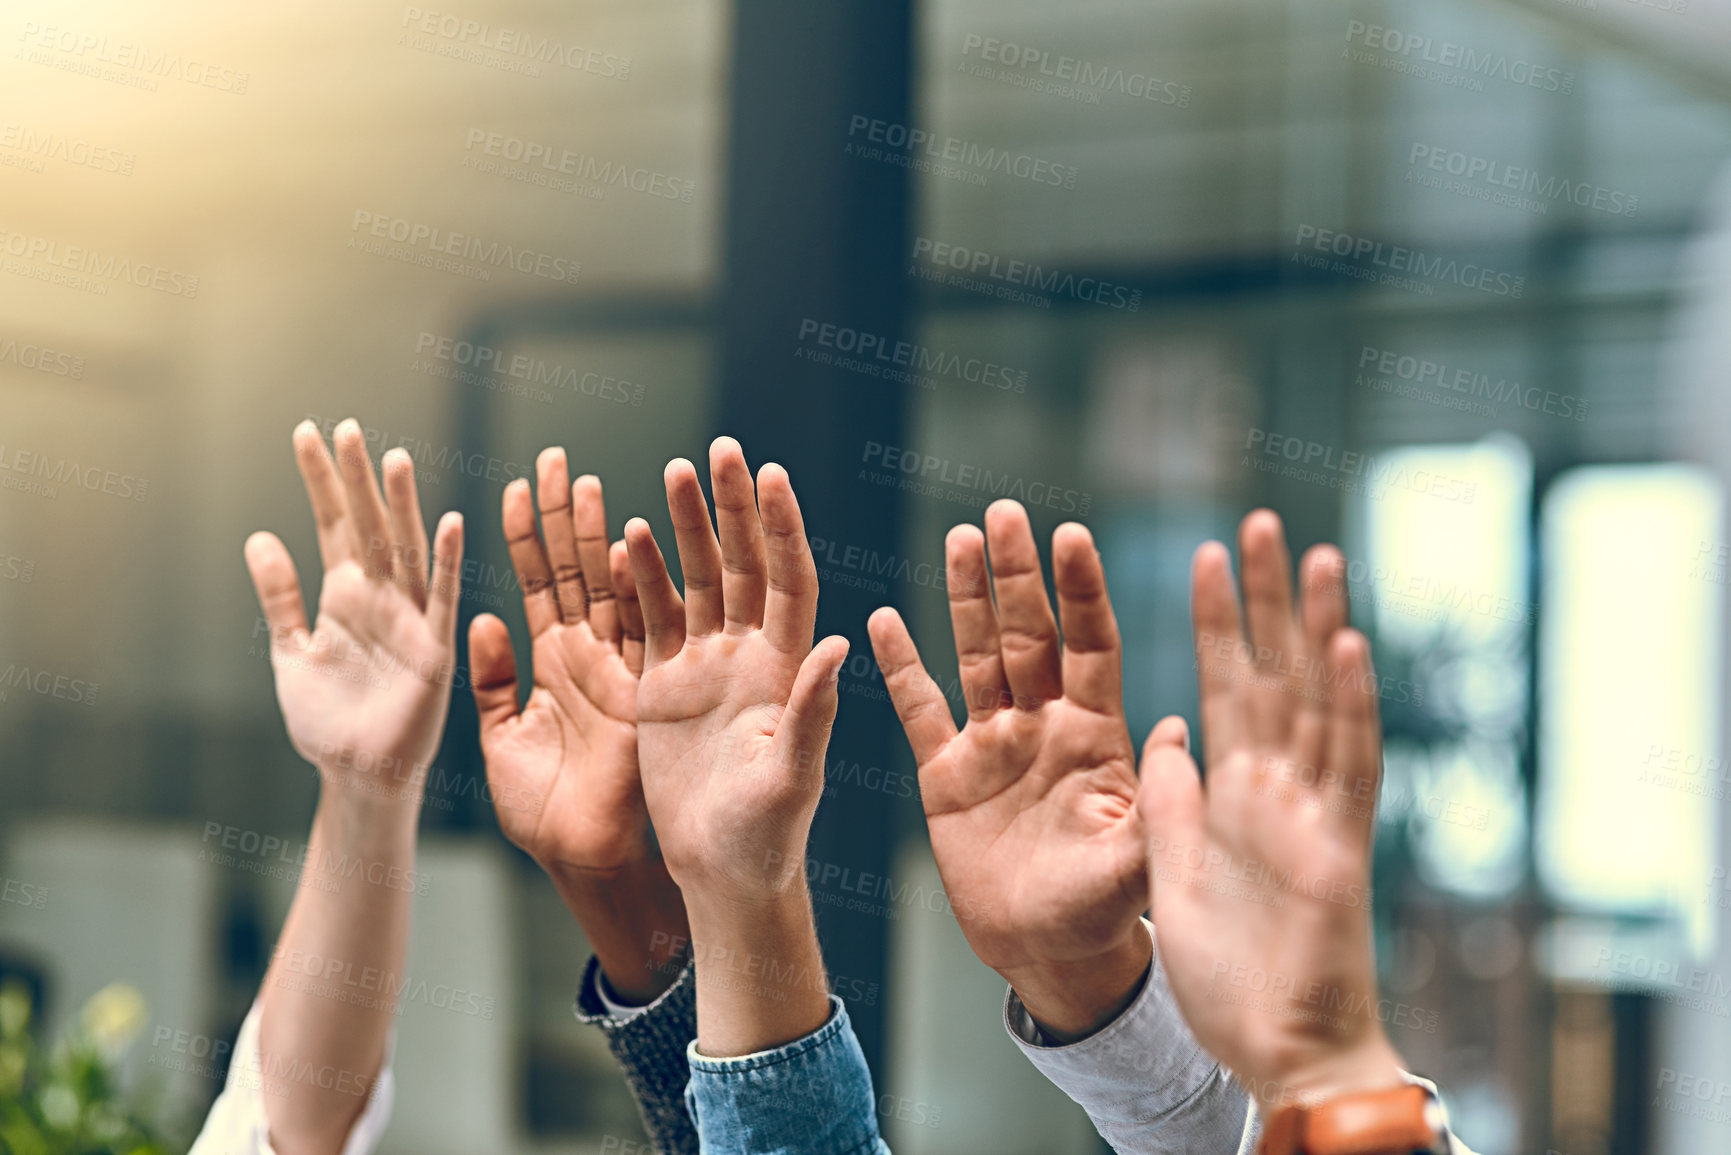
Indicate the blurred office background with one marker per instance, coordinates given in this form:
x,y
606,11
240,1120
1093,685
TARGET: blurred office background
x,y
1518,433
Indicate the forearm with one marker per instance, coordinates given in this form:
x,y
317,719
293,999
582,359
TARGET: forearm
x,y
634,920
328,1000
760,974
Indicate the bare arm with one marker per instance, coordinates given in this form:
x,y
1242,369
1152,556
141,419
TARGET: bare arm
x,y
364,694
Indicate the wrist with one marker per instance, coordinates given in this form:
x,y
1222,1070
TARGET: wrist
x,y
1072,999
634,919
761,981
359,817
1370,1065
384,784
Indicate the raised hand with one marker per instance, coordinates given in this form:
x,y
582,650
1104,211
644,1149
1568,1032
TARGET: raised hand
x,y
1032,805
1262,875
562,767
364,692
734,713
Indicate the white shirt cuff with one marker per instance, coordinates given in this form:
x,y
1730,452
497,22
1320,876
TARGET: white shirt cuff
x,y
238,1125
622,1011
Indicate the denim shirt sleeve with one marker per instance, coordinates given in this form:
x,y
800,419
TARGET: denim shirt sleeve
x,y
1145,1082
812,1096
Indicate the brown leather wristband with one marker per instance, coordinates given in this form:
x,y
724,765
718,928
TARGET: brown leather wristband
x,y
1396,1121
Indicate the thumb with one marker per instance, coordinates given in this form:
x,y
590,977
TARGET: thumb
x,y
803,735
493,671
1170,795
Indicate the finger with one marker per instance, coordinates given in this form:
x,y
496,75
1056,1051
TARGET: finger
x,y
1354,746
529,559
802,735
408,534
699,554
325,492
1220,665
743,583
663,612
367,520
447,584
790,605
1093,654
1323,606
1267,578
1172,802
279,590
1027,632
1322,612
589,516
630,613
980,662
920,704
493,667
559,532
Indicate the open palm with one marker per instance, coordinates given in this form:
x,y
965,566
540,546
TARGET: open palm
x,y
1032,805
562,767
1262,876
365,691
732,748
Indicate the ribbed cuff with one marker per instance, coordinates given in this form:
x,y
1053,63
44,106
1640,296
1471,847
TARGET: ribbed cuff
x,y
649,1045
